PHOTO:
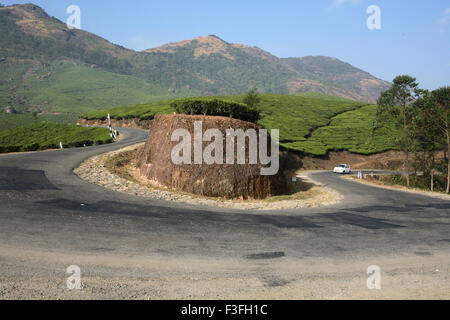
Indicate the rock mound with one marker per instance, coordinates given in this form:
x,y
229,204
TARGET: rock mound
x,y
243,181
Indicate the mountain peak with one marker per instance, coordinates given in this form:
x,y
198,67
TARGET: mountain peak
x,y
27,9
203,46
30,18
211,40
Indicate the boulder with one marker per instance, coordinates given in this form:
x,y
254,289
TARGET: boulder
x,y
232,181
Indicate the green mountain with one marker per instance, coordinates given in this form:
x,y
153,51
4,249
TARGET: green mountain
x,y
46,67
337,78
234,68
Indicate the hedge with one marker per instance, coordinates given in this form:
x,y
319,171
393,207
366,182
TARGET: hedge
x,y
216,107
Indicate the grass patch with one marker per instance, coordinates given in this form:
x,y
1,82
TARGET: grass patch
x,y
41,136
296,196
299,190
118,163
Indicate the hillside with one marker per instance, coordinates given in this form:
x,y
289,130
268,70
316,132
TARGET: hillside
x,y
46,67
215,61
309,123
337,78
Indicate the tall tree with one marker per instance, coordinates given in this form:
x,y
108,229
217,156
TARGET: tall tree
x,y
426,135
395,104
442,98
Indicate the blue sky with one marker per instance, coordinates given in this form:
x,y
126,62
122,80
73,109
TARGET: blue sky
x,y
414,36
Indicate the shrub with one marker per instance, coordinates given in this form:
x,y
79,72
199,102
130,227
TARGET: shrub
x,y
416,181
216,107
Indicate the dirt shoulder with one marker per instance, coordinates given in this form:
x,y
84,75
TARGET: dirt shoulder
x,y
381,184
126,179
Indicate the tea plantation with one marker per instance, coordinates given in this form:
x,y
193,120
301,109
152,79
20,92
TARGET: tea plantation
x,y
41,136
10,121
308,123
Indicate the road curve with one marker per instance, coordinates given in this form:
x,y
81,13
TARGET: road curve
x,y
46,208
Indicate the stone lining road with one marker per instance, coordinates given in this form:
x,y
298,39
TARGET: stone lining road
x,y
50,218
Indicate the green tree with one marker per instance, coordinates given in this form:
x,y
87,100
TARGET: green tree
x,y
35,116
252,98
442,99
426,135
395,104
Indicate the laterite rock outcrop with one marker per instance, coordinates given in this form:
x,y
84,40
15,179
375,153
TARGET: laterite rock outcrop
x,y
231,181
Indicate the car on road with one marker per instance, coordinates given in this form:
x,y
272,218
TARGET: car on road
x,y
342,169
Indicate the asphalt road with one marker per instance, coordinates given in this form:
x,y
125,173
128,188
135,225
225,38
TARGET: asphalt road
x,y
44,207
